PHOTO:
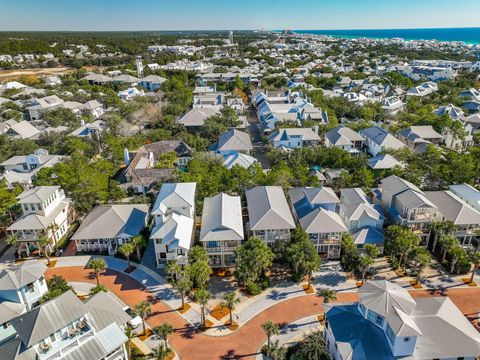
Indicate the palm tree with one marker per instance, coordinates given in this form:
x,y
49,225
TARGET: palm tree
x,y
44,245
53,227
447,242
127,250
365,263
144,310
475,260
421,258
202,296
270,329
229,301
163,331
130,335
440,228
139,242
327,294
97,265
183,286
275,351
456,251
159,353
173,269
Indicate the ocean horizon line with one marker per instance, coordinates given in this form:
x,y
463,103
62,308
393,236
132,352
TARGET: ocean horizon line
x,y
469,35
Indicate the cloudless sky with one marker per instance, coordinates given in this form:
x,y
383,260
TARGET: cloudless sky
x,y
235,14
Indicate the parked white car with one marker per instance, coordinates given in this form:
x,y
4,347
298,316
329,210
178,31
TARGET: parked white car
x,y
135,319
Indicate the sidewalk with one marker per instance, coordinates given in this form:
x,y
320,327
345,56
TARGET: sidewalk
x,y
295,332
152,281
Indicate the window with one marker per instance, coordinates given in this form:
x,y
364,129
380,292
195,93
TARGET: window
x,y
379,320
390,335
30,288
181,252
375,318
212,244
52,337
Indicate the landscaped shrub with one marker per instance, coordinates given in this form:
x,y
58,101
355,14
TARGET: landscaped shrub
x,y
253,288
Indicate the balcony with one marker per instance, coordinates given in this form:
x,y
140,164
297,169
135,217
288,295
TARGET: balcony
x,y
221,249
61,347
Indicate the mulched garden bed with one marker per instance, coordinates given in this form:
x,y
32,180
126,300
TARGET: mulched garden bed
x,y
219,312
185,309
233,326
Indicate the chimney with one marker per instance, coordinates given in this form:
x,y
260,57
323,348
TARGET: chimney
x,y
151,159
82,122
126,156
315,129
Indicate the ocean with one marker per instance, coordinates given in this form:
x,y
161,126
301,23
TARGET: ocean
x,y
467,35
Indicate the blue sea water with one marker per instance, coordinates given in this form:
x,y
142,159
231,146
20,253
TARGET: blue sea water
x,y
467,35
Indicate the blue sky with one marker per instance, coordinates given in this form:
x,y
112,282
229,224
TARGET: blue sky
x,y
239,14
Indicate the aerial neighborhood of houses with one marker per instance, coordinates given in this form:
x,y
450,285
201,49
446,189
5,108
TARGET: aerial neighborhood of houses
x,y
199,182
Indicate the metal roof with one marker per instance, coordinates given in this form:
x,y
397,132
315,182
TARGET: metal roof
x,y
110,221
222,218
18,276
268,209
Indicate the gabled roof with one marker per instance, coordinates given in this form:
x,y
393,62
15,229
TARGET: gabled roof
x,y
382,138
239,159
10,310
321,220
37,194
343,136
126,78
321,195
454,208
446,332
395,184
25,130
44,320
268,209
234,139
110,221
176,231
283,134
105,308
222,218
18,276
416,133
154,79
412,199
98,78
174,195
385,161
197,116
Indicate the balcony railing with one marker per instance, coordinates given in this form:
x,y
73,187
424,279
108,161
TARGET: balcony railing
x,y
61,347
221,249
